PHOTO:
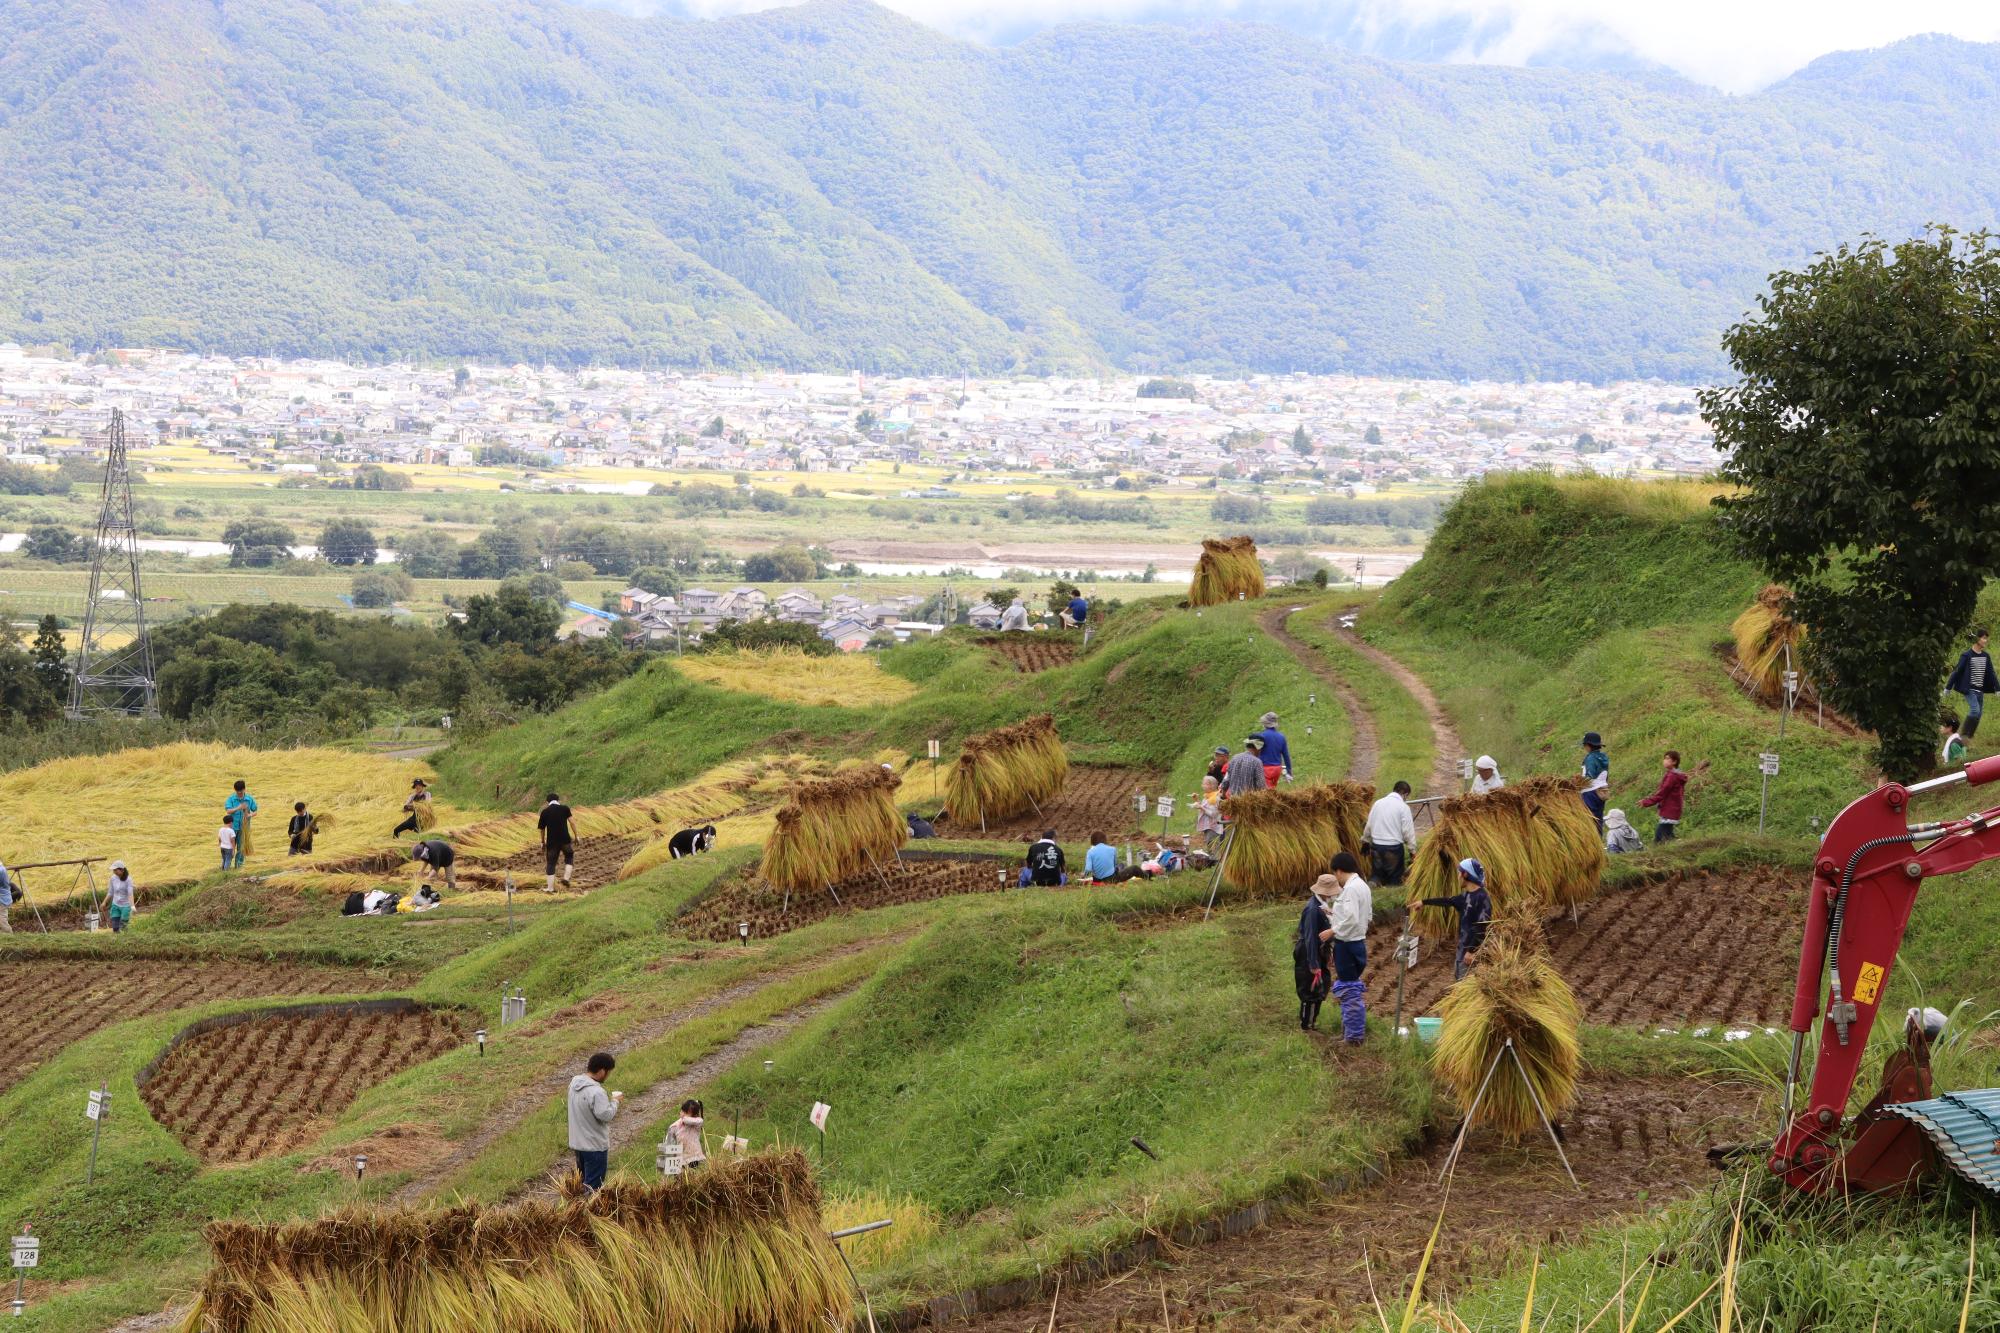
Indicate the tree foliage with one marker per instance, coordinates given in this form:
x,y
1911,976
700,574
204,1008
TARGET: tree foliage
x,y
347,541
1864,431
258,541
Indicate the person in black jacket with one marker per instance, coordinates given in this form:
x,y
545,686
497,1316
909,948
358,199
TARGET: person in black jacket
x,y
1311,969
1045,861
1475,912
1973,678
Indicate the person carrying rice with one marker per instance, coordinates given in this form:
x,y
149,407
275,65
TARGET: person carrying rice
x,y
418,808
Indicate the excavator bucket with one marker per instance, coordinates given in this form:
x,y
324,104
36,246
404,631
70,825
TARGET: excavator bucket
x,y
1965,1129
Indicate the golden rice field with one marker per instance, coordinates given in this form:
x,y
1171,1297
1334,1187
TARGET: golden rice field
x,y
848,680
158,809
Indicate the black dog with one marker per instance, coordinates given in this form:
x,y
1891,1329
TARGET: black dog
x,y
689,841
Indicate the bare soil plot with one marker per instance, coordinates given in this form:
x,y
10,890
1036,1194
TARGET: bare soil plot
x,y
1030,653
598,861
268,1086
919,878
58,1002
1093,800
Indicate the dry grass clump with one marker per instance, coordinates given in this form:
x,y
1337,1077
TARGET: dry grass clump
x,y
1515,992
847,680
737,1246
1284,838
834,828
1228,569
1539,845
1007,772
158,808
1768,642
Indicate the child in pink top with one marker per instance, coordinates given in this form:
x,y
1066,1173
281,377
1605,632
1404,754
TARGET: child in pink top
x,y
686,1131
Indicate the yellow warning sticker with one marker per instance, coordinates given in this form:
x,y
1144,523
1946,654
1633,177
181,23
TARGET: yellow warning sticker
x,y
1868,984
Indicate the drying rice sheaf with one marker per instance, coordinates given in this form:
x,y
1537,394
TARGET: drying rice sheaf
x,y
1283,839
849,680
1006,772
1539,846
1227,569
737,1246
1513,993
158,808
834,828
1768,642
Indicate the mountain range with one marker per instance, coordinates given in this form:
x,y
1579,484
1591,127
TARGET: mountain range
x,y
835,186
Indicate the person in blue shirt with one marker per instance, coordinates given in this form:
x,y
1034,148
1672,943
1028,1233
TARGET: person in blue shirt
x,y
1596,777
1079,610
1101,861
1475,912
1277,755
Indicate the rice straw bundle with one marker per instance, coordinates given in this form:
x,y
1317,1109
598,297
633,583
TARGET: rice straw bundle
x,y
1768,642
732,1247
1513,991
1007,772
1227,569
833,829
1282,840
1492,828
1563,841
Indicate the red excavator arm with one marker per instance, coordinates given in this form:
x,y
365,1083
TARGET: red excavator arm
x,y
1864,885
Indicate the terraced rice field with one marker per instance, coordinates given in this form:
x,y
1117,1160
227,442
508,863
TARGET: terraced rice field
x,y
745,897
267,1086
1093,800
1030,653
60,1002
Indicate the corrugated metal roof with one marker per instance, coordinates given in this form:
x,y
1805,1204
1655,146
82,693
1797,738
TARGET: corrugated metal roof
x,y
1965,1126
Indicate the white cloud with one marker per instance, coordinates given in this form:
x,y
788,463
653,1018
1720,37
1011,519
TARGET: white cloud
x,y
1737,45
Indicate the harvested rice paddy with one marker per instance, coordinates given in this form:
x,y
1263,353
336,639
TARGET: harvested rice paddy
x,y
849,680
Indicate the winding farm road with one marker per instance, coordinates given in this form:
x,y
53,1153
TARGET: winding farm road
x,y
1365,756
1446,747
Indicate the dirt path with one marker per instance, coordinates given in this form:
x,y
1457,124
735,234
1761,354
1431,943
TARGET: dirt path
x,y
1634,1145
531,1096
1446,747
1366,754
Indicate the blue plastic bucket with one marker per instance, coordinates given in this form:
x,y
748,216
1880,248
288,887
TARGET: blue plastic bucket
x,y
1428,1029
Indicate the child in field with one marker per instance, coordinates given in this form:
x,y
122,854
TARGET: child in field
x,y
124,896
226,839
686,1131
1208,812
1953,753
301,830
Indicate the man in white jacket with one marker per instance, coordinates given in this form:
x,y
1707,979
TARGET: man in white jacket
x,y
1352,911
591,1111
1391,835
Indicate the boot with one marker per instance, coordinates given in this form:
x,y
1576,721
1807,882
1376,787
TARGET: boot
x,y
1305,1015
549,886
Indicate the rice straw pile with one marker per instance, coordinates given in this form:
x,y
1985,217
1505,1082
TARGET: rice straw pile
x,y
1512,991
1540,848
1008,772
1226,570
1284,839
735,1246
846,680
833,829
1763,634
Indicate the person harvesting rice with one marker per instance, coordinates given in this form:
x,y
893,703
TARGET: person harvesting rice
x,y
1475,912
418,808
1391,835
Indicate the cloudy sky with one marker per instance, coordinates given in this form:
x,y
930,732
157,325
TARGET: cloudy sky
x,y
1737,45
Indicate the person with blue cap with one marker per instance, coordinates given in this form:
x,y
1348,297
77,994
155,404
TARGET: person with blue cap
x,y
1475,912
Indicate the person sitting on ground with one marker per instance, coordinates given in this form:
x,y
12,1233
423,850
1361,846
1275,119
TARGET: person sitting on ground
x,y
417,808
300,830
1619,835
1352,912
1276,754
919,826
1953,753
1667,797
1246,770
1486,776
590,1115
1391,835
1100,863
1475,913
435,855
124,896
1015,617
1045,861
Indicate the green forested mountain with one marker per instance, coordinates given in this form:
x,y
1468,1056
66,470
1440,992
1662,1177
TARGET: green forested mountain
x,y
837,186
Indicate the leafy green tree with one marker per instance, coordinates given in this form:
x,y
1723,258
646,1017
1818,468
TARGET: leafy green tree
x,y
427,554
258,542
713,430
757,635
782,564
498,552
46,541
52,658
382,586
461,377
375,477
1238,509
1864,433
511,615
539,585
865,420
347,541
1165,388
1302,444
1373,435
658,580
1002,598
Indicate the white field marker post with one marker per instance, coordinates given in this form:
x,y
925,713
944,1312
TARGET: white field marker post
x,y
96,1109
510,902
27,1254
1767,764
818,1117
931,749
1165,810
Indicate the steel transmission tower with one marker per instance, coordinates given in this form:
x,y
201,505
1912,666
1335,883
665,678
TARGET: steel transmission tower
x,y
114,662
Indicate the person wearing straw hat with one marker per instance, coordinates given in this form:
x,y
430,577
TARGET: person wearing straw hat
x,y
1246,772
1486,776
123,894
1475,912
1353,909
1312,971
1596,776
1277,755
418,808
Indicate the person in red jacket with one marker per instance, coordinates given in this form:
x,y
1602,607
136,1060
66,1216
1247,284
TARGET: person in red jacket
x,y
1667,797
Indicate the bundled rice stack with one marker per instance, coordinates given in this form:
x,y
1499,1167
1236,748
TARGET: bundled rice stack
x,y
1283,839
1227,569
732,1247
1515,992
1769,642
1564,845
833,829
1008,772
1539,845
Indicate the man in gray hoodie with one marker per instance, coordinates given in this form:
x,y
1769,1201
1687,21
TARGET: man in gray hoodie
x,y
591,1111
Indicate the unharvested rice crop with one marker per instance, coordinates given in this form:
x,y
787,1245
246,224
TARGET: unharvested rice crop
x,y
1281,840
1228,569
847,680
158,809
737,1246
1768,642
914,1222
1539,846
834,827
1514,992
1006,772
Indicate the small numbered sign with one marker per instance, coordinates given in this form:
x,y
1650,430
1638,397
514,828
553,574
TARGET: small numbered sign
x,y
1767,764
96,1108
670,1158
819,1114
1165,809
932,749
1465,769
1791,682
27,1251
1139,801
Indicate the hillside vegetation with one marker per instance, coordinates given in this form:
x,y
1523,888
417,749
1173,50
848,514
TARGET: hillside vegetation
x,y
834,185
